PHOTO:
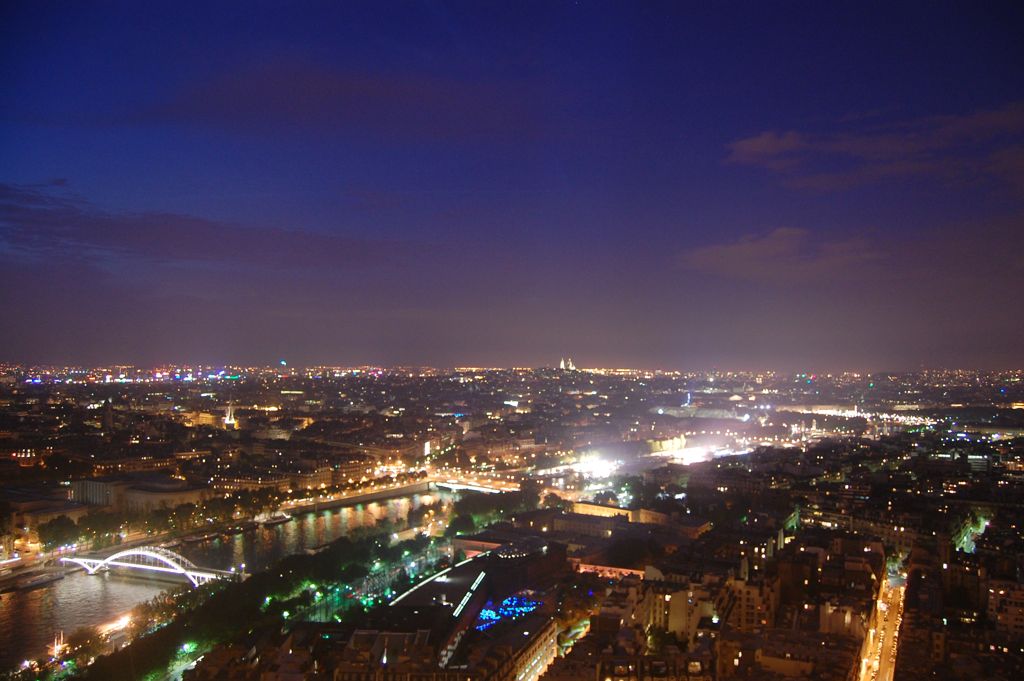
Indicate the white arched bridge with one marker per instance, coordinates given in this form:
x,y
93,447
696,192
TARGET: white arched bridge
x,y
152,558
475,485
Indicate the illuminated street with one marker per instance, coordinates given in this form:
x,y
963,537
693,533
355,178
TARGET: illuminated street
x,y
880,662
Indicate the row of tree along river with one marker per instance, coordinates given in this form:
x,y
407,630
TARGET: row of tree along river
x,y
29,619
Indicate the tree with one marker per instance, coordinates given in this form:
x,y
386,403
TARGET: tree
x,y
462,524
5,517
265,499
417,515
529,491
159,520
57,532
100,526
486,508
552,500
402,581
658,638
183,516
85,643
6,525
219,508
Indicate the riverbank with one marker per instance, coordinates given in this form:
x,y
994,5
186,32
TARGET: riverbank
x,y
33,563
270,599
94,600
19,577
381,494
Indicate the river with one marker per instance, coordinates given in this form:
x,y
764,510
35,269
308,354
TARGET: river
x,y
30,619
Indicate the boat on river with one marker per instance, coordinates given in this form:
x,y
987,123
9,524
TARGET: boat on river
x,y
276,518
239,528
35,581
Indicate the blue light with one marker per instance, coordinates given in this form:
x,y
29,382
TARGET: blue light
x,y
511,608
486,618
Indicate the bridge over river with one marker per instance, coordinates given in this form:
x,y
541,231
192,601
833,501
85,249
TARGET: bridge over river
x,y
82,599
153,559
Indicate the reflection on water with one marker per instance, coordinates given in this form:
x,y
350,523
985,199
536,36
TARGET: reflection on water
x,y
29,619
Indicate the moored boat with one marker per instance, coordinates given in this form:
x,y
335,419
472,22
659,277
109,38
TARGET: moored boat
x,y
276,519
37,581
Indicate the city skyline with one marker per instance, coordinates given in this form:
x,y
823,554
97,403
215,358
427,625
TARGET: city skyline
x,y
543,340
176,371
652,186
551,524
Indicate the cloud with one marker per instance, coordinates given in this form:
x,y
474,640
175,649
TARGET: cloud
x,y
957,149
37,223
1008,163
785,255
291,94
948,295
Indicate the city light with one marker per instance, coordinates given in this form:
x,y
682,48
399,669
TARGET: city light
x,y
594,466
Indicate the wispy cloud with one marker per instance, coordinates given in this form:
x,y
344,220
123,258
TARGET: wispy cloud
x,y
961,265
40,223
288,94
785,255
983,145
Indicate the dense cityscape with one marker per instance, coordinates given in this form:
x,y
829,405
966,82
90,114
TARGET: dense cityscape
x,y
481,524
517,340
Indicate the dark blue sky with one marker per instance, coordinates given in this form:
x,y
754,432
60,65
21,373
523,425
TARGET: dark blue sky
x,y
784,185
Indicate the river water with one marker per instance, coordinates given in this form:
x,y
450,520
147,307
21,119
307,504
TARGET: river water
x,y
30,619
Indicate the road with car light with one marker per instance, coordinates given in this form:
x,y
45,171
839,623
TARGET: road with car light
x,y
879,661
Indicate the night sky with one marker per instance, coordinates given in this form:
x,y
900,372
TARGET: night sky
x,y
683,185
